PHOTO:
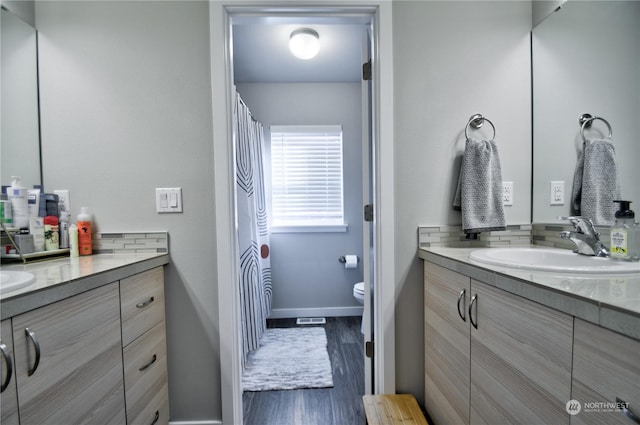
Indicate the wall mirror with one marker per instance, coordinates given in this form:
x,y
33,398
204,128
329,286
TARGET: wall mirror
x,y
20,137
586,59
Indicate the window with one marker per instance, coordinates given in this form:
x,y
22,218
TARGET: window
x,y
306,176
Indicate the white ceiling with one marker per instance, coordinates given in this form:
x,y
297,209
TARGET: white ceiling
x,y
261,52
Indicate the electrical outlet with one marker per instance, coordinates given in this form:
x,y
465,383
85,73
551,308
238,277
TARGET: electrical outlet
x,y
64,199
556,193
507,193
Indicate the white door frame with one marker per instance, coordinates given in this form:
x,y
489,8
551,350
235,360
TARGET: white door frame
x,y
224,184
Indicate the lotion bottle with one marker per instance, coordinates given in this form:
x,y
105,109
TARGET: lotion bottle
x,y
84,232
624,234
73,240
19,203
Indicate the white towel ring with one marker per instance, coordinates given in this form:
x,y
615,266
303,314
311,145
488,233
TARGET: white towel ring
x,y
476,122
586,120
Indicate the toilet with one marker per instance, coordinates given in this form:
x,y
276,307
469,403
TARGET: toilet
x,y
358,294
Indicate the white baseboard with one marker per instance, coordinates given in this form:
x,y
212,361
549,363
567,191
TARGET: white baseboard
x,y
286,313
195,422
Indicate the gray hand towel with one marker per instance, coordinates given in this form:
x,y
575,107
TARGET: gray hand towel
x,y
596,183
479,192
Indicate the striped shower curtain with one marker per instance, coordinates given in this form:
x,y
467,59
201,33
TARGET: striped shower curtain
x,y
253,230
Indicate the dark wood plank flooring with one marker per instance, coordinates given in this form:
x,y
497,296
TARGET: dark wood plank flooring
x,y
340,405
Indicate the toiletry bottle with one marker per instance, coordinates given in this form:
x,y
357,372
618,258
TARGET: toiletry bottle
x,y
65,217
624,234
19,204
84,232
73,240
51,233
5,211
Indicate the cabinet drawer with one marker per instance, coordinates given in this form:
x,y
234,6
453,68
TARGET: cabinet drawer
x,y
605,367
145,378
142,300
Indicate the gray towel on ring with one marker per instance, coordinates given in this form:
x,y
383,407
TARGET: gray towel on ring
x,y
479,192
596,183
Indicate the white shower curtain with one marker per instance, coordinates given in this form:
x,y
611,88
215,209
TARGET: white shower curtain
x,y
253,230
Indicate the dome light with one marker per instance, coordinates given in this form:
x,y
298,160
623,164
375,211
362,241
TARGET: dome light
x,y
304,43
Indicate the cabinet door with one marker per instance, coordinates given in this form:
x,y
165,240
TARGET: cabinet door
x,y
446,345
520,360
8,397
79,375
606,367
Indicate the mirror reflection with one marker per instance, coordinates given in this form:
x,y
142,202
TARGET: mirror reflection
x,y
586,59
20,139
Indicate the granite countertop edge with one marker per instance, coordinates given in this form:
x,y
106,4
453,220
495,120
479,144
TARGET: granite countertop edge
x,y
112,267
530,286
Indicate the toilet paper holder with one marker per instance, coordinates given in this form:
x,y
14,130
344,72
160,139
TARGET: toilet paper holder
x,y
343,259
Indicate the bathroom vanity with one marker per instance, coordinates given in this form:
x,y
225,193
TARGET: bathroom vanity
x,y
513,346
85,342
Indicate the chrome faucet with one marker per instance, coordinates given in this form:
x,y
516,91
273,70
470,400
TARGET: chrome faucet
x,y
585,237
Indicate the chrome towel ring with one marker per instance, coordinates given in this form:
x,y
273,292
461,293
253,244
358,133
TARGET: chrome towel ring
x,y
585,121
476,121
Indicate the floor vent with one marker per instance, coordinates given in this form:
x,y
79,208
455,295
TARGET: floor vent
x,y
311,321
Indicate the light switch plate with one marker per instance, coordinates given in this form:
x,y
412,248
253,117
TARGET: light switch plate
x,y
507,193
169,200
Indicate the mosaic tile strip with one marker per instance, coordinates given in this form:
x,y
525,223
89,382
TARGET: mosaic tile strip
x,y
453,236
548,234
124,243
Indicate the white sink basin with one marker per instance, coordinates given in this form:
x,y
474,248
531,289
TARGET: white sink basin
x,y
551,260
11,280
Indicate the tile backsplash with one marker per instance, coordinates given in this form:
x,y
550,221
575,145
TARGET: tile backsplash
x,y
122,243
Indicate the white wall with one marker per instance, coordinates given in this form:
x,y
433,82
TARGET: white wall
x,y
126,107
452,59
305,270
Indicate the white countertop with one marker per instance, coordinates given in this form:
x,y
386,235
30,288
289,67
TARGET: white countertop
x,y
60,278
612,301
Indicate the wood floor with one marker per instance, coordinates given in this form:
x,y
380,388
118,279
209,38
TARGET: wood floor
x,y
340,405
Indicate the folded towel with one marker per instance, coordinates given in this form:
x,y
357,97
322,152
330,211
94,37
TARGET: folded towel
x,y
479,192
596,183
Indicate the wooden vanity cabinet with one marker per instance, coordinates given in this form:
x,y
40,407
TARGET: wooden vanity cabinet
x,y
492,357
145,348
68,360
606,368
8,396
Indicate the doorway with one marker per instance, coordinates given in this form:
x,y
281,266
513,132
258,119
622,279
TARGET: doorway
x,y
382,187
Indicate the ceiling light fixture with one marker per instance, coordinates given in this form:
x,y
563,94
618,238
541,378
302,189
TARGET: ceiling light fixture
x,y
304,43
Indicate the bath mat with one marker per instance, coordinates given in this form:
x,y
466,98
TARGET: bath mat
x,y
289,358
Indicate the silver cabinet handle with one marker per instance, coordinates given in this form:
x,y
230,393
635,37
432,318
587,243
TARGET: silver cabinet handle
x,y
7,359
461,299
148,365
156,417
473,301
36,345
626,411
145,303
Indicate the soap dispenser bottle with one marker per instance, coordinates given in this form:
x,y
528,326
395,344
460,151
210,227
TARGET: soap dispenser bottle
x,y
624,234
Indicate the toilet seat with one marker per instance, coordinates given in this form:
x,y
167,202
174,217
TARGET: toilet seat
x,y
358,288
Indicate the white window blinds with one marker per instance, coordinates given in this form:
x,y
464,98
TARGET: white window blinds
x,y
306,175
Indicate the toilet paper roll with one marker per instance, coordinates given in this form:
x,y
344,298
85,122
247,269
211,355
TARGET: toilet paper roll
x,y
351,261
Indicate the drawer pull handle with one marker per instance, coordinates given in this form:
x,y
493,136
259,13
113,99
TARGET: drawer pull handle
x,y
148,365
145,303
626,411
473,301
461,299
7,359
36,345
156,417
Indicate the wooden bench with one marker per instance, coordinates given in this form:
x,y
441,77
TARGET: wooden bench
x,y
393,409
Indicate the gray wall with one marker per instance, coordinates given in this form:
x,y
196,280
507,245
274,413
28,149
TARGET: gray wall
x,y
126,107
452,59
307,277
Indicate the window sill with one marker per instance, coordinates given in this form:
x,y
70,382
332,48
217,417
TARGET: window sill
x,y
320,228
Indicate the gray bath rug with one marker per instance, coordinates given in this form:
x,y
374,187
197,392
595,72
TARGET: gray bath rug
x,y
289,358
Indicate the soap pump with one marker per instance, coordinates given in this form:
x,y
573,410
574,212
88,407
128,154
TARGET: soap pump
x,y
624,234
